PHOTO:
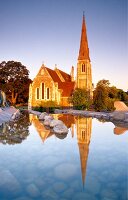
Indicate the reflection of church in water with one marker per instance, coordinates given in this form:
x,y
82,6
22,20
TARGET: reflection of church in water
x,y
83,131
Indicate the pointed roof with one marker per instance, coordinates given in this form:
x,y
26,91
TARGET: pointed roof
x,y
84,50
83,151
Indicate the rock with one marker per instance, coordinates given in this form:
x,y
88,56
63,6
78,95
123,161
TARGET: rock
x,y
93,185
61,136
9,185
49,194
108,193
59,187
41,117
23,198
57,111
15,115
65,171
106,117
68,193
84,196
55,122
47,122
33,191
48,117
60,129
126,120
119,116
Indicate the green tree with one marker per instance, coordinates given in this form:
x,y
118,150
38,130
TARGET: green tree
x,y
122,96
113,92
101,99
80,99
104,83
14,80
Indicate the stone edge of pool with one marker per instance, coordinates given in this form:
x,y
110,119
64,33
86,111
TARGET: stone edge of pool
x,y
8,114
116,117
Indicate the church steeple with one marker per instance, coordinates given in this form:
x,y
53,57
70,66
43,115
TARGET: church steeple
x,y
84,50
84,72
84,129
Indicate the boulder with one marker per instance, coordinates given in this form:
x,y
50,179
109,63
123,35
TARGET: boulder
x,y
126,120
55,122
47,122
48,117
41,117
60,129
15,115
119,116
61,136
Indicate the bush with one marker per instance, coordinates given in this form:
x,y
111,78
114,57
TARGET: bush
x,y
46,106
80,99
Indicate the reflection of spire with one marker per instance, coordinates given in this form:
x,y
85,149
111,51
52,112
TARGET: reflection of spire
x,y
83,150
84,126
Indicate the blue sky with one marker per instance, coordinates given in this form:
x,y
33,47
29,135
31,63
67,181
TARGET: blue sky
x,y
37,31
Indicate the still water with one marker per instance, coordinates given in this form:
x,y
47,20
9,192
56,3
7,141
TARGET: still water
x,y
89,163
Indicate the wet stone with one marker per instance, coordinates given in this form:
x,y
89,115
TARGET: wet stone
x,y
59,187
55,122
23,198
49,194
60,129
92,185
39,182
47,122
84,196
33,191
108,193
76,186
68,193
9,184
41,117
65,171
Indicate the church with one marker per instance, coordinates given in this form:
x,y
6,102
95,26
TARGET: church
x,y
56,85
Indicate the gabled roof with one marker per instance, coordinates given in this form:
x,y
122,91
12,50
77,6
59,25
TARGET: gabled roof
x,y
53,75
65,76
67,86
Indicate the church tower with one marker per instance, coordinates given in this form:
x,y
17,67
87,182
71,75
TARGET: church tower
x,y
84,74
84,129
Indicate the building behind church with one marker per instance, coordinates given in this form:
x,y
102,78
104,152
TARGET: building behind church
x,y
56,85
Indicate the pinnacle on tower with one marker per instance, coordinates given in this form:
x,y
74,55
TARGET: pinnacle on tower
x,y
84,50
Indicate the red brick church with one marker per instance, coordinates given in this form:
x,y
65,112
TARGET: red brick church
x,y
56,85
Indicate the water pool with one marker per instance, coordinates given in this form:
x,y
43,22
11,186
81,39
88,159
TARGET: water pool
x,y
89,163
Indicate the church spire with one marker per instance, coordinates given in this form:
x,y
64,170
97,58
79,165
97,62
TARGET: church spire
x,y
84,50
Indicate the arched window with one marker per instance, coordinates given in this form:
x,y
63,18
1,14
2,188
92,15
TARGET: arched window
x,y
42,90
47,93
83,135
83,67
37,93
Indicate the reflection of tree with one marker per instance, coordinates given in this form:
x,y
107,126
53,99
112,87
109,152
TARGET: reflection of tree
x,y
16,131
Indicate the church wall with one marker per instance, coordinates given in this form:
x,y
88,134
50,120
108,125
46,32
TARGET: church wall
x,y
48,83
